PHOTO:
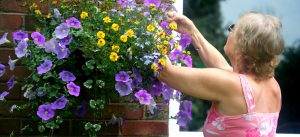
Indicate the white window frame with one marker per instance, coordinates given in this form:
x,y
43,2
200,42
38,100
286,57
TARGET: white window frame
x,y
174,129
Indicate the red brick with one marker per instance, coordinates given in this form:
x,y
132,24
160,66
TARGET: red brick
x,y
5,52
12,6
9,125
14,94
10,22
127,110
145,128
20,72
16,6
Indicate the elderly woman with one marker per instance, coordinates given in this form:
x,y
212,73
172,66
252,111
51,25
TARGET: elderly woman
x,y
246,99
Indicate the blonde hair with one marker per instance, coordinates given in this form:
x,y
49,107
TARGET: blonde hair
x,y
258,39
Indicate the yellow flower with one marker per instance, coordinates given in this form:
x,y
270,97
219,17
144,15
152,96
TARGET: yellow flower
x,y
115,48
176,46
137,22
54,2
173,25
107,19
162,34
130,33
154,9
164,51
83,15
101,42
150,28
152,5
162,62
115,27
65,0
49,15
33,5
154,67
37,12
123,38
104,12
100,35
188,52
113,57
166,42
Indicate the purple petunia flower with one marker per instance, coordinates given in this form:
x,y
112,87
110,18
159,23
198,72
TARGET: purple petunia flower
x,y
185,40
56,13
4,39
59,103
122,76
2,70
39,92
67,76
73,89
124,88
164,24
73,22
167,92
30,95
143,97
51,45
66,41
62,31
3,94
12,108
38,38
62,52
44,67
21,49
176,55
113,120
185,113
152,106
149,2
10,83
82,109
19,35
188,61
156,87
137,75
11,63
45,112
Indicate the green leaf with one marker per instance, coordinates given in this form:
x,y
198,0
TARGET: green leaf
x,y
93,104
36,78
97,127
88,84
59,120
90,64
87,126
100,83
41,128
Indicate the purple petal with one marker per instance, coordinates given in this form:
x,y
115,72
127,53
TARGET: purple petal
x,y
44,67
2,70
124,88
3,94
67,76
45,112
10,84
73,89
4,39
38,38
59,103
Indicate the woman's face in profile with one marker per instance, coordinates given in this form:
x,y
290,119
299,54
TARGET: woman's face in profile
x,y
229,49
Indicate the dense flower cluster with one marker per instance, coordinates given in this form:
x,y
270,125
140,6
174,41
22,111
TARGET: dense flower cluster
x,y
83,50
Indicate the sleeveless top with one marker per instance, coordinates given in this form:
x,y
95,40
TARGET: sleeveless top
x,y
251,124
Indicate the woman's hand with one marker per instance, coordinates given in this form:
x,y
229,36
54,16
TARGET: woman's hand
x,y
164,72
184,24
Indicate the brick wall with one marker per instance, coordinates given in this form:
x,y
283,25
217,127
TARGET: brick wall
x,y
13,17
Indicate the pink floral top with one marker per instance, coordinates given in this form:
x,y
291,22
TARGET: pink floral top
x,y
251,124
